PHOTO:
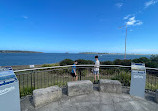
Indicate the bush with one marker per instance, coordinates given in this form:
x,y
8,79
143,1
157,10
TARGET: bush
x,y
126,62
106,63
117,62
123,77
26,91
141,60
152,62
66,62
50,65
82,61
154,58
151,86
122,62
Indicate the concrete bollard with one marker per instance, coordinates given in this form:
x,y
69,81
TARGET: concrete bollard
x,y
46,95
79,87
110,86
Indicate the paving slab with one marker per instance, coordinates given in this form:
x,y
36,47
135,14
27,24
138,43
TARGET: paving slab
x,y
95,101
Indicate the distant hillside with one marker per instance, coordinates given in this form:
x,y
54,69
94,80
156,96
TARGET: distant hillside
x,y
17,51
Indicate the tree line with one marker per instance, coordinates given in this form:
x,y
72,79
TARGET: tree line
x,y
149,62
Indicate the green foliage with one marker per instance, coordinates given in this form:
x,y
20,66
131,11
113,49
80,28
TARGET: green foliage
x,y
141,60
154,61
108,71
149,62
151,86
26,91
106,63
124,77
50,65
154,58
66,62
122,62
84,72
82,61
117,62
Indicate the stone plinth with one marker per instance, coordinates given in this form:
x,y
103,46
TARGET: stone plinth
x,y
79,87
110,86
46,95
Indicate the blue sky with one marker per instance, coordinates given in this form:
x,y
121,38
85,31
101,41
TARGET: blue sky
x,y
79,25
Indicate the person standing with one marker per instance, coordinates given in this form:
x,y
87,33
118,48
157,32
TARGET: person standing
x,y
73,72
96,69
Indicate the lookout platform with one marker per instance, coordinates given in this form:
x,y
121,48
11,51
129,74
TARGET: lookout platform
x,y
95,101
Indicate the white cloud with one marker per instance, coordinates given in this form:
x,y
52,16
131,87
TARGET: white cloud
x,y
133,22
126,17
139,22
149,3
25,17
119,5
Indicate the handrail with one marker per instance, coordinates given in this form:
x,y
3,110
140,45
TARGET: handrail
x,y
32,69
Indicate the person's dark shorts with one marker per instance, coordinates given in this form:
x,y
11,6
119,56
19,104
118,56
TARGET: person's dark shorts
x,y
73,75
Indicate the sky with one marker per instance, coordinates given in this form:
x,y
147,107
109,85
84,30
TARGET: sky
x,y
57,26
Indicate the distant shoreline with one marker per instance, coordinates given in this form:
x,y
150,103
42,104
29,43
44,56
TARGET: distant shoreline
x,y
17,51
112,53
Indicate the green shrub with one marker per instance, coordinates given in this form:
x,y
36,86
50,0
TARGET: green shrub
x,y
126,62
123,77
108,71
141,60
50,65
66,62
154,58
26,91
122,62
82,61
106,63
151,86
84,72
117,62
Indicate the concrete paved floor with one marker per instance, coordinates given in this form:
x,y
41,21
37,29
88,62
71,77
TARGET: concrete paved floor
x,y
96,101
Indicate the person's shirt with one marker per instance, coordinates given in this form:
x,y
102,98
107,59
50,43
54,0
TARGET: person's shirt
x,y
73,68
96,66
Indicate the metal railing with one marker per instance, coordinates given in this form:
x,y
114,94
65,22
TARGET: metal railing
x,y
30,79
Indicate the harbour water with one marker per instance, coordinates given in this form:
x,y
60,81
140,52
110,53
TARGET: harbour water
x,y
10,59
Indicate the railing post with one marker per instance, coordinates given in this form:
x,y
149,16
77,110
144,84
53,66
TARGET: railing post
x,y
80,73
31,80
34,80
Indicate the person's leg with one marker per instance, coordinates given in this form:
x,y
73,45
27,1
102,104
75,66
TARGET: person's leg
x,y
94,77
76,78
72,79
98,76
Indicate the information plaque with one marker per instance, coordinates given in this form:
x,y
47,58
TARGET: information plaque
x,y
138,79
9,90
